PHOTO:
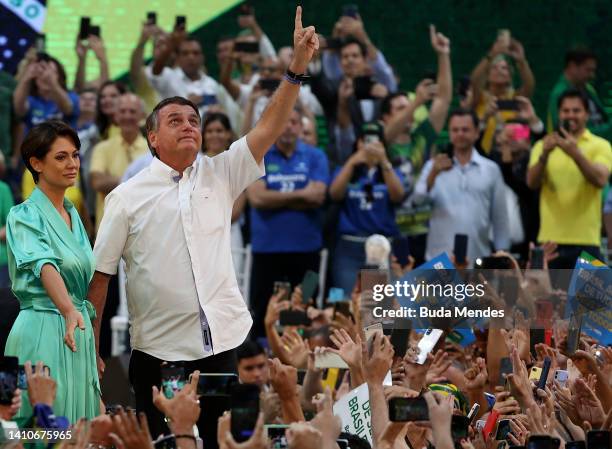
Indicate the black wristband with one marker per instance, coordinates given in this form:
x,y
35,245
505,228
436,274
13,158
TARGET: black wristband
x,y
297,78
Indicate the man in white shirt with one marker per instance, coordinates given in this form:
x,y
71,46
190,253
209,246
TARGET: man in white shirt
x,y
188,80
171,225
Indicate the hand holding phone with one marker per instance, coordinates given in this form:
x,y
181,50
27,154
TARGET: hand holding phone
x,y
244,410
173,379
427,343
408,409
309,285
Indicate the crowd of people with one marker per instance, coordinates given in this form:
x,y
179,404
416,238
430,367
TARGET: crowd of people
x,y
291,151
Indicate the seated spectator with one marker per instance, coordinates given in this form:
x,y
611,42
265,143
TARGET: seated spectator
x,y
467,194
41,94
368,188
309,131
112,156
579,72
492,87
187,79
285,216
96,44
106,108
571,166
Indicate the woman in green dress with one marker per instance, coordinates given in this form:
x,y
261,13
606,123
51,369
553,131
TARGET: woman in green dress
x,y
50,264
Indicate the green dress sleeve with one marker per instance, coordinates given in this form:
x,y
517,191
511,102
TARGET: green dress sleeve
x,y
28,243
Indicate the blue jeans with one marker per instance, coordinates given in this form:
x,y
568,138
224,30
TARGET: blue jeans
x,y
349,258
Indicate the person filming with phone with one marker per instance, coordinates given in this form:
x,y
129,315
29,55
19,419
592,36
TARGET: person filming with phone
x,y
570,166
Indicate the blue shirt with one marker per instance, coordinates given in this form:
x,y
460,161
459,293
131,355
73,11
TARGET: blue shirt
x,y
41,110
289,230
467,199
365,213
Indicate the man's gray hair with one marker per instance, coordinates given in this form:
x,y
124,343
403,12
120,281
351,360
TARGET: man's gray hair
x,y
152,123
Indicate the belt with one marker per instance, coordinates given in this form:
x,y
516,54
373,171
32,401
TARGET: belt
x,y
359,239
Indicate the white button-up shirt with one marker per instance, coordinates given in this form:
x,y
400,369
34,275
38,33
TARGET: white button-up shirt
x,y
174,235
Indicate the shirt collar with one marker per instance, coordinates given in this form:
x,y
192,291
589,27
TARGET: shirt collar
x,y
164,171
586,135
475,159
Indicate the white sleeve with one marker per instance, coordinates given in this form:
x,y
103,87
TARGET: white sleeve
x,y
231,108
162,83
238,167
266,48
112,234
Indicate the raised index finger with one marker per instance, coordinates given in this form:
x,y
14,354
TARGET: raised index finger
x,y
298,18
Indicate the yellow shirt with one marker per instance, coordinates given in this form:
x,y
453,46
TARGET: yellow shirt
x,y
145,91
570,206
112,157
502,116
73,193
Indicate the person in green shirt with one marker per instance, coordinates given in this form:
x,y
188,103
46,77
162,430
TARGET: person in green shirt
x,y
579,71
409,146
50,264
6,202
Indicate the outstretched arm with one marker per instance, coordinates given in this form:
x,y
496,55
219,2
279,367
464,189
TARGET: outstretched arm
x,y
274,118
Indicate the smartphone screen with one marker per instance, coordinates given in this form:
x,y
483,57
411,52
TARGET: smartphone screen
x,y
9,372
84,28
460,248
276,435
286,286
94,30
598,439
309,285
544,374
293,318
180,22
505,368
459,427
244,409
152,18
336,294
342,307
22,379
173,379
427,343
503,429
473,412
539,442
537,258
573,334
216,384
401,250
350,11
246,47
507,105
408,409
362,86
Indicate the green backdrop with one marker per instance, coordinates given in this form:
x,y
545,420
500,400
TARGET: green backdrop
x,y
400,28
